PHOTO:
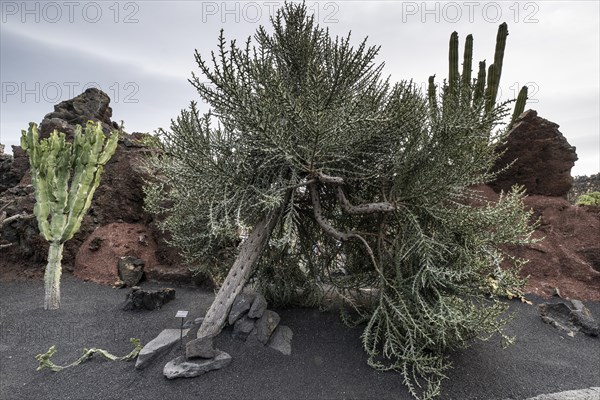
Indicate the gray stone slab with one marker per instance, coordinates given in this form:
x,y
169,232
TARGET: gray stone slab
x,y
182,368
158,346
571,320
592,393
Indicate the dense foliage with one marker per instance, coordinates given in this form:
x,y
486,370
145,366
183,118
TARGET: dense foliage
x,y
370,182
589,199
583,185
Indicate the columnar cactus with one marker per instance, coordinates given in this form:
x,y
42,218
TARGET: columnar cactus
x,y
481,91
479,83
453,76
465,78
520,106
65,176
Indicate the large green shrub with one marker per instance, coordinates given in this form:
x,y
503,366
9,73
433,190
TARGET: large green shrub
x,y
362,186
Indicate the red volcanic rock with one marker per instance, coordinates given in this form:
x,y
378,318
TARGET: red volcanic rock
x,y
91,105
99,254
568,258
542,158
119,198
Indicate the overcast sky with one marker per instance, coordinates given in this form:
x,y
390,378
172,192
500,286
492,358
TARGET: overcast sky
x,y
141,53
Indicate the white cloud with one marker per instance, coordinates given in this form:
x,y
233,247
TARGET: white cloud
x,y
552,45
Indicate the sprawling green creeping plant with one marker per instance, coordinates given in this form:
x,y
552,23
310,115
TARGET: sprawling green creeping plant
x,y
65,176
46,362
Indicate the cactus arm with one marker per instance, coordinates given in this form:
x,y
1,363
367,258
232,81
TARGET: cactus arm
x,y
60,172
82,177
82,204
453,77
479,84
41,209
467,60
519,106
495,70
499,52
109,148
78,162
95,153
492,88
465,79
431,93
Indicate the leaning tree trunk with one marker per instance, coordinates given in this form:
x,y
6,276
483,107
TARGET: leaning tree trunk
x,y
237,277
52,277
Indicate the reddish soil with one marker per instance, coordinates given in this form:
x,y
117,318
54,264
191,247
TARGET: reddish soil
x,y
98,256
566,261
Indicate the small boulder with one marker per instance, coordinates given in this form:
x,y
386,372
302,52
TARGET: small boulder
x,y
182,368
259,305
131,270
540,155
200,348
571,319
243,327
147,299
582,318
95,244
240,306
281,340
264,327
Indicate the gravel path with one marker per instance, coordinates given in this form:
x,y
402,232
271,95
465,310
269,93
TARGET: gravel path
x,y
327,361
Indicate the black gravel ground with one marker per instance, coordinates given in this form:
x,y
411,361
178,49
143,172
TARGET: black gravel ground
x,y
327,361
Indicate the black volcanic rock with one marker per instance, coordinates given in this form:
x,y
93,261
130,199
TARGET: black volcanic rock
x,y
542,158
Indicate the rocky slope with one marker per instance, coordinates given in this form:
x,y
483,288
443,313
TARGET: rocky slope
x,y
116,206
566,260
116,225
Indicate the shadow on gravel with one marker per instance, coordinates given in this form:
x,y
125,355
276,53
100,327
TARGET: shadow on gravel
x,y
327,360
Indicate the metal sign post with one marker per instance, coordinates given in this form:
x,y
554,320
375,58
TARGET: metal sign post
x,y
182,315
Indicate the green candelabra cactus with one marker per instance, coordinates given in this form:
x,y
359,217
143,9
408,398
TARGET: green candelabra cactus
x,y
65,176
481,91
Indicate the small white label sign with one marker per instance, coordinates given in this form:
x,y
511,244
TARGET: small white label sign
x,y
181,314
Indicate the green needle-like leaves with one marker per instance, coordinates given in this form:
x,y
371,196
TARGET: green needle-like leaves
x,y
370,183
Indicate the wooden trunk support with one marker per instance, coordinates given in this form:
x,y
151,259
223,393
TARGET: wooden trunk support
x,y
237,277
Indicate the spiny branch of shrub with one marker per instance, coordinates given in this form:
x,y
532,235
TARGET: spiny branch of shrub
x,y
5,220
